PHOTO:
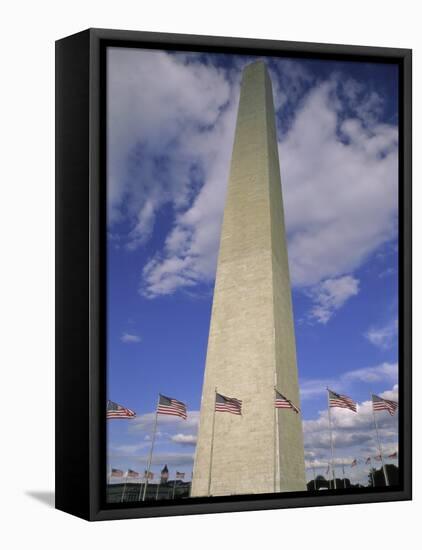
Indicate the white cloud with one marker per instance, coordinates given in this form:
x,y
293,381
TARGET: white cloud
x,y
330,295
340,187
290,80
383,337
169,425
385,372
171,459
354,437
127,338
189,256
127,450
164,132
184,439
173,432
322,462
343,419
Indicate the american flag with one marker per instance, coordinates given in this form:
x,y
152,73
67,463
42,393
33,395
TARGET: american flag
x,y
381,404
172,407
393,455
342,401
180,475
114,410
116,473
227,404
354,463
132,473
282,402
368,460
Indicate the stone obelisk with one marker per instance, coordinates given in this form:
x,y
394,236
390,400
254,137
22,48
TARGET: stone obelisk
x,y
251,345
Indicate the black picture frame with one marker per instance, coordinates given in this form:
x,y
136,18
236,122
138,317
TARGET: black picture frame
x,y
81,274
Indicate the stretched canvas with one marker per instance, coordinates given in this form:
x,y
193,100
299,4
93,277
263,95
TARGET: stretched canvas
x,y
251,260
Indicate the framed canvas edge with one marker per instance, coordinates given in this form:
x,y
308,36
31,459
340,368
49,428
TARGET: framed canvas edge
x,y
72,367
99,37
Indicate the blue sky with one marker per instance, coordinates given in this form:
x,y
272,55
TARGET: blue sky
x,y
171,119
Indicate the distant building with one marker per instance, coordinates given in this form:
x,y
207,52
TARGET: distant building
x,y
321,483
155,491
164,474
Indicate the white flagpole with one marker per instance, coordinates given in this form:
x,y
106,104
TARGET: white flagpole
x,y
327,473
141,485
372,472
333,474
212,443
124,487
313,469
154,431
275,425
379,444
276,441
108,482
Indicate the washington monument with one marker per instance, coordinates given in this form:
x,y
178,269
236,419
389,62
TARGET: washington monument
x,y
251,345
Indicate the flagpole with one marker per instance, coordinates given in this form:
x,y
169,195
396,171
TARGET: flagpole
x,y
142,486
158,487
276,442
174,488
124,487
108,482
379,444
154,431
372,472
313,469
333,474
212,443
275,424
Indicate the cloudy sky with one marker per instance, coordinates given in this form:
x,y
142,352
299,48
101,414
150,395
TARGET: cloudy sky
x,y
171,119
